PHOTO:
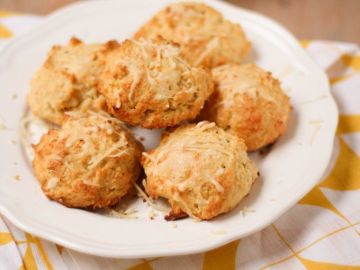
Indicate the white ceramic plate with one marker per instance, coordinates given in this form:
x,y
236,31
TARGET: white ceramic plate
x,y
289,171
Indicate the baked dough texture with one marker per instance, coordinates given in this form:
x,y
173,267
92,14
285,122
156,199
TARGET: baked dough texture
x,y
67,80
206,38
90,162
148,83
249,103
200,169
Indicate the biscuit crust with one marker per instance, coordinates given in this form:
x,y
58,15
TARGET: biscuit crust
x,y
90,162
206,38
149,84
249,103
67,80
200,169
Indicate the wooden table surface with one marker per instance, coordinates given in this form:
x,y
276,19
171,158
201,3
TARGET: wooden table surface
x,y
307,19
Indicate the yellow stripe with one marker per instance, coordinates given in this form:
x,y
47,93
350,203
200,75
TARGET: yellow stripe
x,y
316,197
4,32
327,235
19,242
335,80
5,238
352,61
221,258
309,264
43,254
6,13
145,265
345,175
277,262
29,259
284,240
305,43
348,124
310,245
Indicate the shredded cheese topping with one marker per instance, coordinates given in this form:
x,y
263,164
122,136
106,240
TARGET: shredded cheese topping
x,y
316,122
184,206
209,149
128,213
2,125
148,156
246,210
204,125
149,201
30,127
113,151
321,97
83,135
163,69
52,183
234,81
210,46
24,132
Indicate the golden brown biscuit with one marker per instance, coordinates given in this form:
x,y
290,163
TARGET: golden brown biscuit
x,y
205,36
90,162
200,169
151,85
67,80
248,102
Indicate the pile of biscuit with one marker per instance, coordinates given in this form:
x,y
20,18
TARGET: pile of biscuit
x,y
181,71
